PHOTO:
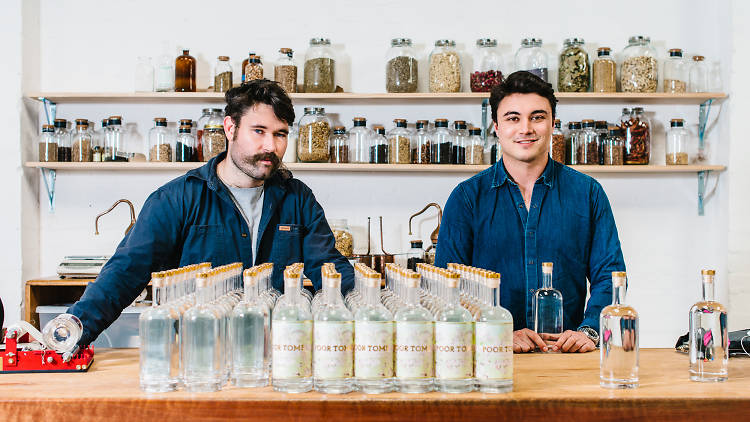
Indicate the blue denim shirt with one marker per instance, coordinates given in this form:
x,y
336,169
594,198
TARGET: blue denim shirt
x,y
569,222
193,219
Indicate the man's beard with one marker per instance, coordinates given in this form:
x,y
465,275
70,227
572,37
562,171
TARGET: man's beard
x,y
249,165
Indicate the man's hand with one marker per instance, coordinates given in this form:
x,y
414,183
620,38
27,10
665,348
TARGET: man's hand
x,y
571,342
527,340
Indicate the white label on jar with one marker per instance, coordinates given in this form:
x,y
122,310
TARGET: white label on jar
x,y
333,349
494,354
414,341
454,343
373,349
292,349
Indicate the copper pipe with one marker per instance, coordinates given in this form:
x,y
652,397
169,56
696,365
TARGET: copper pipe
x,y
434,235
381,237
132,215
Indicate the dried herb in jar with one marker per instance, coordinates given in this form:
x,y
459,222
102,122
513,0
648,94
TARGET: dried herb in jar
x,y
558,148
319,75
639,74
312,144
398,150
485,81
573,74
401,74
286,76
445,72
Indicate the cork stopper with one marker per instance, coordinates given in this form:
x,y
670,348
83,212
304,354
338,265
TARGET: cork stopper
x,y
157,279
332,281
249,276
708,275
201,280
619,278
373,281
493,280
546,267
452,279
708,272
412,280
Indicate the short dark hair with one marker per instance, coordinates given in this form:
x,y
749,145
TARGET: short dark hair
x,y
522,82
258,91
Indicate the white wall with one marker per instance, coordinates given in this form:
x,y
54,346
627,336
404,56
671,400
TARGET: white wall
x,y
664,241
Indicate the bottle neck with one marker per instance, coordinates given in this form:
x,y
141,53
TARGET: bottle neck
x,y
331,295
202,295
495,297
618,294
251,290
372,296
157,298
451,295
708,288
411,296
546,280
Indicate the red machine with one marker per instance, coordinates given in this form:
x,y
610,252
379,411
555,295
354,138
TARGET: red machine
x,y
19,356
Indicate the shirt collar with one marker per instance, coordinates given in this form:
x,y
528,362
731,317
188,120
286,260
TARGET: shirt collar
x,y
547,177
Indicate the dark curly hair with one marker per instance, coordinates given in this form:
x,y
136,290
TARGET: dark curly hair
x,y
258,91
522,82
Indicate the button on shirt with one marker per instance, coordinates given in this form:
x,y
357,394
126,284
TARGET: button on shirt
x,y
569,222
250,203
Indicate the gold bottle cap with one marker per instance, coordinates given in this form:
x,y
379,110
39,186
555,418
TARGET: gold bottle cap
x,y
698,58
201,280
708,272
619,278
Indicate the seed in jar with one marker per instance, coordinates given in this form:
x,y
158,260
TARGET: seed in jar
x,y
344,242
675,86
475,154
223,82
286,76
613,155
680,158
161,153
445,72
313,142
47,151
399,149
401,74
214,143
558,148
604,75
81,151
485,81
639,74
319,76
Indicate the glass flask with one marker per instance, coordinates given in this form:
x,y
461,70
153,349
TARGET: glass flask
x,y
249,333
159,341
487,64
415,340
184,73
399,143
677,141
675,73
574,73
709,344
442,146
532,58
639,71
547,305
313,139
373,341
222,74
320,66
62,139
202,331
445,67
494,342
292,338
159,142
81,142
618,327
285,71
454,341
401,67
47,144
359,141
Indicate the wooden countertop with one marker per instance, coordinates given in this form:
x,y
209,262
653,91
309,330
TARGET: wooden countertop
x,y
546,387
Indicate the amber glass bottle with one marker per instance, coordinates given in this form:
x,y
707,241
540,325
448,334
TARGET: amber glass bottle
x,y
184,73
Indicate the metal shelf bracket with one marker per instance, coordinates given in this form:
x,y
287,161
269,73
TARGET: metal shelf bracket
x,y
705,110
485,125
50,109
49,176
702,181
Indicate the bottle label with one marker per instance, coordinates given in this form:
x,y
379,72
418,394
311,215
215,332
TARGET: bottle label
x,y
373,349
292,349
414,342
494,354
333,349
454,344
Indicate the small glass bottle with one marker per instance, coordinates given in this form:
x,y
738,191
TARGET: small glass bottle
x,y
165,71
373,341
605,71
574,73
442,146
378,146
206,114
454,341
159,346
675,73
114,149
421,150
285,71
602,130
573,139
414,342
159,142
339,145
254,68
401,67
185,150
475,147
47,144
62,139
99,142
619,336
414,255
547,305
487,63
399,143
292,338
249,329
531,58
333,340
214,140
244,65
494,339
81,142
699,75
313,140
637,138
222,74
613,149
496,151
677,140
144,75
460,142
359,141
709,344
640,68
557,146
201,330
319,72
184,73
342,235
445,67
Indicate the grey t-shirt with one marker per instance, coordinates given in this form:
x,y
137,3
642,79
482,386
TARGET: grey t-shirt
x,y
250,203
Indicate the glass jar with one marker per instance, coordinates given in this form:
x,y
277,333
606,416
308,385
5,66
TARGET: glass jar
x,y
115,142
415,255
285,71
222,74
605,71
184,73
487,63
677,142
159,144
531,58
399,143
207,114
359,141
165,71
422,144
214,140
572,143
442,146
496,151
637,134
244,64
588,145
460,142
699,75
320,65
445,67
314,136
574,73
290,155
99,142
47,144
62,139
557,146
378,146
185,149
253,69
144,75
613,149
343,236
640,69
602,130
475,147
81,142
401,67
715,80
675,73
339,145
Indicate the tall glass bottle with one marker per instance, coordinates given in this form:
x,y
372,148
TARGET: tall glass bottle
x,y
184,73
114,148
333,340
442,146
222,74
249,329
547,305
359,141
203,365
414,342
494,337
618,325
285,71
47,144
159,350
454,341
62,139
292,338
709,348
373,341
185,150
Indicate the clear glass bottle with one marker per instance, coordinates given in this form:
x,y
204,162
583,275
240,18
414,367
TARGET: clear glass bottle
x,y
414,342
313,141
401,67
114,149
143,80
339,145
99,142
203,366
604,71
532,58
699,75
487,64
373,341
572,143
184,73
547,305
454,341
588,145
343,236
677,140
421,150
399,143
254,68
442,146
159,142
557,146
496,151
165,71
214,114
333,340
222,74
637,133
414,255
62,138
613,148
249,331
675,72
48,144
494,342
574,73
475,147
185,150
243,66
619,336
445,67
460,142
359,141
81,142
709,344
292,338
378,146
159,346
639,71
285,71
320,65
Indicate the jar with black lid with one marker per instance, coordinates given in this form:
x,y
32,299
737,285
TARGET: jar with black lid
x,y
677,140
47,144
588,147
613,149
62,139
557,146
460,142
399,143
185,150
475,147
421,151
378,146
359,141
339,145
313,141
604,71
572,142
115,146
442,146
675,73
81,142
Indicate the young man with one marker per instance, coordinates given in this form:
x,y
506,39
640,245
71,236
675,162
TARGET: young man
x,y
528,209
242,206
